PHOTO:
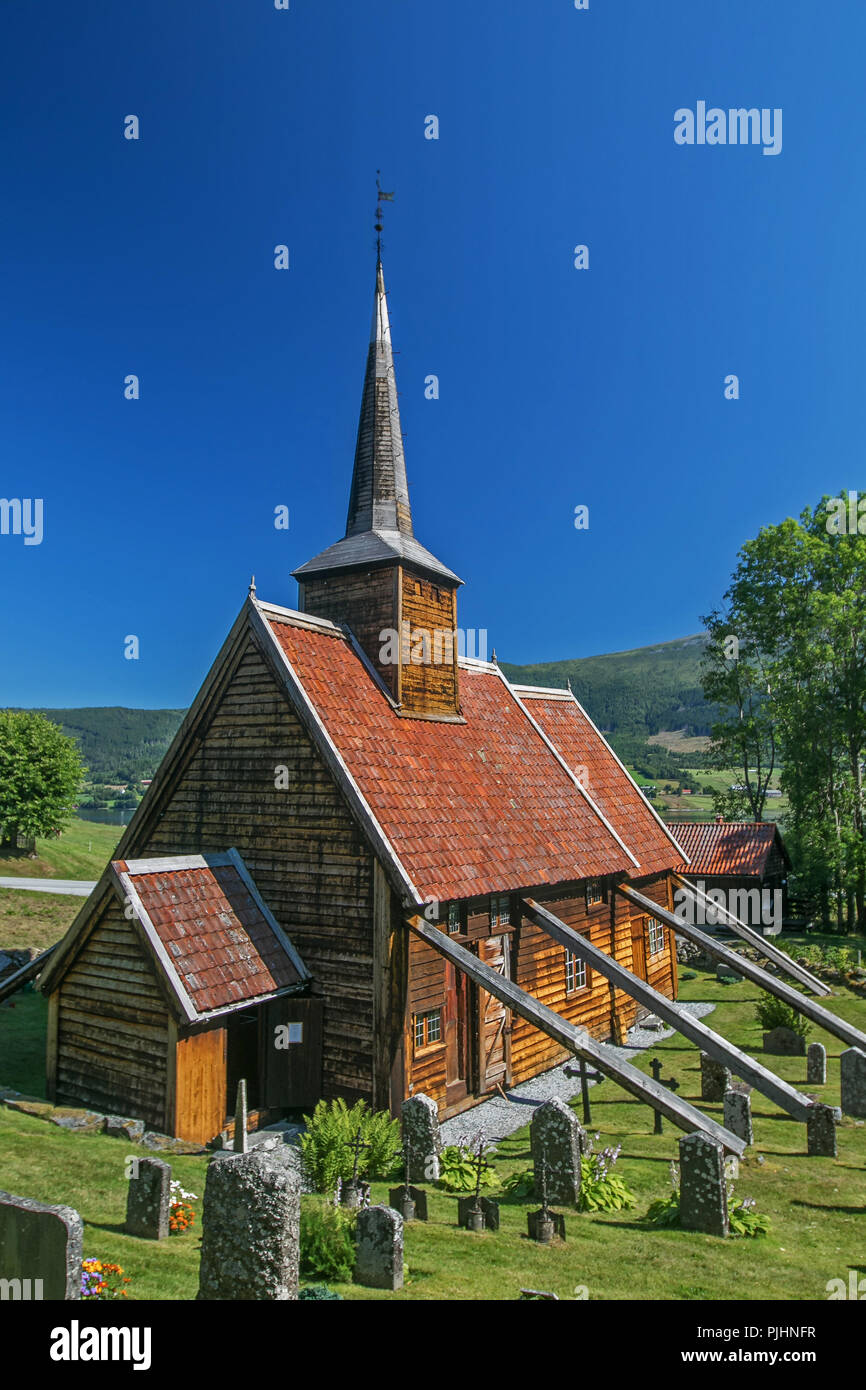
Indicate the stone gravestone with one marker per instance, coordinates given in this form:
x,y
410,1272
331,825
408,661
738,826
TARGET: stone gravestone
x,y
816,1065
555,1139
784,1042
854,1082
250,1227
40,1249
738,1114
421,1138
379,1246
147,1199
715,1079
821,1132
703,1190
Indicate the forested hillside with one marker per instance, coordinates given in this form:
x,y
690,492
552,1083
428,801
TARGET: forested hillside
x,y
119,745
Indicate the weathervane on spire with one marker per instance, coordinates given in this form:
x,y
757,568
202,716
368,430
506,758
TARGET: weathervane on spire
x,y
381,197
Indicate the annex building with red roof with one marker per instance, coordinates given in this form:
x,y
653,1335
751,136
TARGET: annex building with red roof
x,y
745,862
343,772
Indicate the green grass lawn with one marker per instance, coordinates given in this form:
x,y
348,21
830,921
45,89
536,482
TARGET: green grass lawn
x,y
39,919
34,919
817,1206
82,850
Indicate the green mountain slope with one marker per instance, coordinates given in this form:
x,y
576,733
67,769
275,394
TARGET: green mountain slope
x,y
638,692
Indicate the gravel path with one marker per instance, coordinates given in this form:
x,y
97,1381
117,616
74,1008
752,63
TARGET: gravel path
x,y
497,1118
70,887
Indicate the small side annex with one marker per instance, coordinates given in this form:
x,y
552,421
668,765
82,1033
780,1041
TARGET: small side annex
x,y
181,985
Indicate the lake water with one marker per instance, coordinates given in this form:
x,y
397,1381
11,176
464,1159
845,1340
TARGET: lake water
x,y
92,813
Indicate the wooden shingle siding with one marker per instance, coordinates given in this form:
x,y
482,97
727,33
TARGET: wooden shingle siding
x,y
301,845
430,688
112,1026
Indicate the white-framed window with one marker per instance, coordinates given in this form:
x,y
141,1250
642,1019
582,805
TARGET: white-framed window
x,y
500,910
656,933
428,1028
575,973
453,919
594,892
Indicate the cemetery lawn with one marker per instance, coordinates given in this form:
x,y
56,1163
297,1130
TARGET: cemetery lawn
x,y
817,1206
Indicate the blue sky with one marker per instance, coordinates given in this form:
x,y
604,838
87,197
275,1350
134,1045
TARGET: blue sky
x,y
558,387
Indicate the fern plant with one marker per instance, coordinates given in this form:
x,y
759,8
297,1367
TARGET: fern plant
x,y
327,1242
325,1152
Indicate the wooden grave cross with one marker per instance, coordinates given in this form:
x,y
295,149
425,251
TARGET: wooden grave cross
x,y
672,1085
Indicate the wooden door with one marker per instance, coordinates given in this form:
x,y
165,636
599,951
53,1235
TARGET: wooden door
x,y
493,1018
200,1086
291,1049
456,1034
638,948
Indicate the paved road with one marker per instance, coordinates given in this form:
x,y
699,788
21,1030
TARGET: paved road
x,y
72,887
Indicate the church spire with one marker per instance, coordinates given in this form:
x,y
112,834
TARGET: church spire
x,y
379,497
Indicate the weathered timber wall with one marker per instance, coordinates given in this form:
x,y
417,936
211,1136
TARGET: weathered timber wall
x,y
112,1026
431,685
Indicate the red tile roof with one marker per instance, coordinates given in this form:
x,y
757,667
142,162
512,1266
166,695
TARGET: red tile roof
x,y
568,726
726,847
468,808
213,929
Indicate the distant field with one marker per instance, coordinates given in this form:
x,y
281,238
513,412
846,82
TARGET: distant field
x,y
676,741
36,920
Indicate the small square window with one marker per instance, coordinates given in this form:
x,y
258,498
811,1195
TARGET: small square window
x,y
575,973
656,936
453,918
428,1028
594,892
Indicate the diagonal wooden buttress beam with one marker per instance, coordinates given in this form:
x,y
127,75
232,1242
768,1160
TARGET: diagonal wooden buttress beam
x,y
717,1047
807,1007
577,1040
780,958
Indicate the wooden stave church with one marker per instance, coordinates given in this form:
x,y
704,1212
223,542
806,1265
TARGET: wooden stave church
x,y
352,793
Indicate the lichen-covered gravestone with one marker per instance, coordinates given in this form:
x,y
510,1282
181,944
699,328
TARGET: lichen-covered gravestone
x,y
703,1189
421,1139
853,1069
715,1079
147,1199
250,1227
379,1248
555,1139
816,1065
40,1249
784,1042
738,1114
821,1132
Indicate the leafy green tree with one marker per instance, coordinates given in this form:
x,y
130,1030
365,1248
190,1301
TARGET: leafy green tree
x,y
795,693
40,776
